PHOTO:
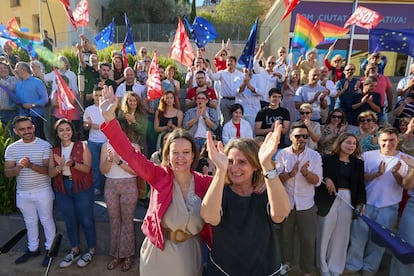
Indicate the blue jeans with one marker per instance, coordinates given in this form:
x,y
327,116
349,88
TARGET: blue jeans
x,y
95,149
363,253
77,208
406,231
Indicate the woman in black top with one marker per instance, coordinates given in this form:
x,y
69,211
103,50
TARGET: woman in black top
x,y
343,174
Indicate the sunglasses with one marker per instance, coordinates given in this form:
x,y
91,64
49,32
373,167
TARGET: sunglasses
x,y
336,116
366,120
271,63
305,112
304,136
337,61
350,70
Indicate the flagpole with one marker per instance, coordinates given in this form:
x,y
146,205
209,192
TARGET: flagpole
x,y
274,28
351,42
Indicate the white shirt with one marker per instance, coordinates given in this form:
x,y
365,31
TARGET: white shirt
x,y
383,190
138,88
116,172
306,93
229,131
249,100
73,80
95,135
299,190
230,82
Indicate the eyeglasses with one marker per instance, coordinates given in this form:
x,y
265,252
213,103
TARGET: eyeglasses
x,y
147,61
349,70
304,136
305,112
368,120
271,63
337,61
336,116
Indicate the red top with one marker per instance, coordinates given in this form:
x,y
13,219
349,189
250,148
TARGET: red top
x,y
81,181
192,93
237,129
161,180
220,64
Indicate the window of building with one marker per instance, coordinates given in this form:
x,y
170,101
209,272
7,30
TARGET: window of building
x,y
14,3
35,23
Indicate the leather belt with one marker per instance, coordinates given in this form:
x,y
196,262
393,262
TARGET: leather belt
x,y
229,98
69,177
177,235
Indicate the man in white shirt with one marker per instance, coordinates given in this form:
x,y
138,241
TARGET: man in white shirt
x,y
385,176
92,120
28,160
230,81
300,170
130,85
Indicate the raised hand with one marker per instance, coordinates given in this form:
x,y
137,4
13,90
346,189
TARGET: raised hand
x,y
408,160
108,103
269,146
216,155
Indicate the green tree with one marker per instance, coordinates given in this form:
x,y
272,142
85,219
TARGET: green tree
x,y
239,12
144,11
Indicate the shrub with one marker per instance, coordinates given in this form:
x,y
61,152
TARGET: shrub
x,y
7,184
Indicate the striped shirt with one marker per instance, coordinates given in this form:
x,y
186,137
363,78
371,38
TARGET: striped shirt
x,y
37,151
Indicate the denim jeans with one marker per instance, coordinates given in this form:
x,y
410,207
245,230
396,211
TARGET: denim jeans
x,y
95,149
406,232
363,253
77,208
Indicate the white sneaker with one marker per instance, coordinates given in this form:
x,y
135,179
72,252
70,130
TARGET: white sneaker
x,y
86,259
284,269
69,259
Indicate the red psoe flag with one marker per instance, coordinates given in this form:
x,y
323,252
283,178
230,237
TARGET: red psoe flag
x,y
364,18
66,97
154,90
81,13
66,6
290,6
181,49
124,56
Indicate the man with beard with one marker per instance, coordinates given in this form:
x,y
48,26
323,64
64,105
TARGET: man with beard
x,y
104,70
300,170
28,160
385,176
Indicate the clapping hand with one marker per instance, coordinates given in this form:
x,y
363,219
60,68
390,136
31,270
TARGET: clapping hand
x,y
269,147
108,103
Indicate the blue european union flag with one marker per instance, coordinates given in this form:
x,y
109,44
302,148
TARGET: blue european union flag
x,y
204,31
129,39
247,56
400,41
106,37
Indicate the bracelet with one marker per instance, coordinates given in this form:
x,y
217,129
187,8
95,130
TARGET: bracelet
x,y
56,168
73,164
120,162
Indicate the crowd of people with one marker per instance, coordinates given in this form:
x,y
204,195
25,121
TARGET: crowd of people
x,y
245,159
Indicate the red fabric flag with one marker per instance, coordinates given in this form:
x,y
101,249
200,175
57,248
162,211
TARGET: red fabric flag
x,y
81,13
66,6
290,6
181,49
154,90
66,97
364,18
124,56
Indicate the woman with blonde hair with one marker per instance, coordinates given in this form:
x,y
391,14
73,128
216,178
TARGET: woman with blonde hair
x,y
367,131
134,116
170,73
335,65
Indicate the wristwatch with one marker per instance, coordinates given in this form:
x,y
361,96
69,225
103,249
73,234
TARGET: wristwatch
x,y
270,174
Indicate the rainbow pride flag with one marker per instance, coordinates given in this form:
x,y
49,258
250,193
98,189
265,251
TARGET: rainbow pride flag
x,y
330,32
306,35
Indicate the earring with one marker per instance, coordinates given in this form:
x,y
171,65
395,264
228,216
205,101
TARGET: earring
x,y
254,178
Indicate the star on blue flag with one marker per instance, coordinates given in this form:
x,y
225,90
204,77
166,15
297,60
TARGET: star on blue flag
x,y
400,41
129,39
246,59
203,32
106,37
